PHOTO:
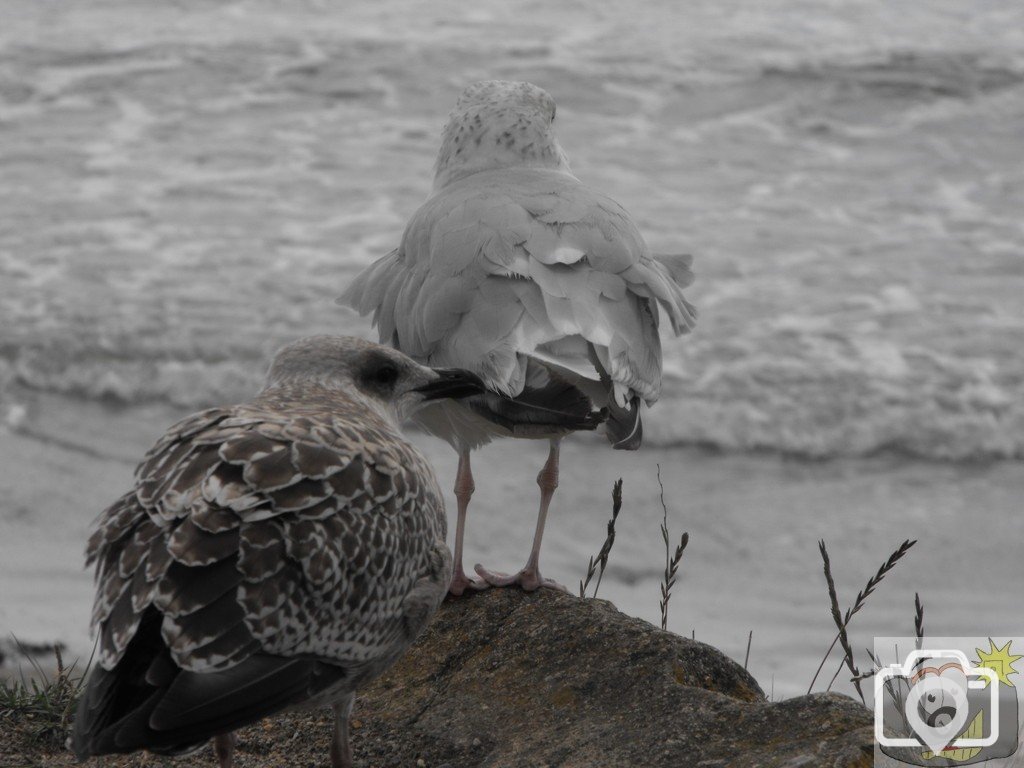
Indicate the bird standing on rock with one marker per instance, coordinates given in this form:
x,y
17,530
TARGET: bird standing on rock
x,y
516,270
274,554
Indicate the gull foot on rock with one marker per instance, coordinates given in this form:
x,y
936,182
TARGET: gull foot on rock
x,y
461,582
528,578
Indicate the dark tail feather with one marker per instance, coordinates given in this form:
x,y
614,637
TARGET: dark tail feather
x,y
148,702
554,404
110,693
624,429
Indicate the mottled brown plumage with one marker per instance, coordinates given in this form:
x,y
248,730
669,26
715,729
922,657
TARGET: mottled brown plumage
x,y
271,554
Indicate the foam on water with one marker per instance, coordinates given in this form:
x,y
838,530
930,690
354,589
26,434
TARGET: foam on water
x,y
186,187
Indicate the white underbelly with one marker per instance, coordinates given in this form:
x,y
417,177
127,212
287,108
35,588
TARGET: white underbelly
x,y
458,425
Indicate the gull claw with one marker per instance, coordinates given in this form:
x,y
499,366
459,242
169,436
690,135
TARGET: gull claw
x,y
529,579
461,582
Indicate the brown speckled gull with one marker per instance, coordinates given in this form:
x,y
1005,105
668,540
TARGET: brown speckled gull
x,y
272,554
515,269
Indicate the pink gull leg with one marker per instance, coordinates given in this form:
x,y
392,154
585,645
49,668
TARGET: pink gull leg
x,y
464,488
529,578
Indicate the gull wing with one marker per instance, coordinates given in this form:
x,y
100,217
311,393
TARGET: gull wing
x,y
263,555
525,262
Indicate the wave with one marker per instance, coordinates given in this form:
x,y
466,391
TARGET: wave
x,y
909,74
913,402
180,198
940,408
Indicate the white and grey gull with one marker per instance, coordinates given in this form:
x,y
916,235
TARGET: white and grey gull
x,y
273,554
516,270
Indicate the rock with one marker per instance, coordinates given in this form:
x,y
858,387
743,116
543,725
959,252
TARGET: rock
x,y
504,678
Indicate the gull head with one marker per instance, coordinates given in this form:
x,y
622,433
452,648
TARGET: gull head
x,y
499,124
376,377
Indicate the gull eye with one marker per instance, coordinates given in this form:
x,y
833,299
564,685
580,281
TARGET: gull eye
x,y
378,374
385,376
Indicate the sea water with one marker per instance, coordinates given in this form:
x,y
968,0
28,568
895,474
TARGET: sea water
x,y
184,187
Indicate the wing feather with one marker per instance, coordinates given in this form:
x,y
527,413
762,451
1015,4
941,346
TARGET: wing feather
x,y
270,516
500,264
254,534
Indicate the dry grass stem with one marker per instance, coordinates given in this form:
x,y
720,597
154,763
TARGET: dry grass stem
x,y
598,566
844,639
874,581
672,559
918,620
843,621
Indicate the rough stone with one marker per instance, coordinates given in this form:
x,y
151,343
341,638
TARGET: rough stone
x,y
504,679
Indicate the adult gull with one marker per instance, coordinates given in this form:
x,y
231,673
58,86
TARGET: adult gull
x,y
273,554
516,270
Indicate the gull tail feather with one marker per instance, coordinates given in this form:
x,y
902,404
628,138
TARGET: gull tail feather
x,y
624,427
547,403
148,702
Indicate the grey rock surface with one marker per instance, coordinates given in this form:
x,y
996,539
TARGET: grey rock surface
x,y
504,678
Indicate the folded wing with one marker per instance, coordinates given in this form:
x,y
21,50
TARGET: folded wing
x,y
259,560
525,263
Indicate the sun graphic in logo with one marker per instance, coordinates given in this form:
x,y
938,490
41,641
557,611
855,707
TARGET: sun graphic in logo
x,y
999,660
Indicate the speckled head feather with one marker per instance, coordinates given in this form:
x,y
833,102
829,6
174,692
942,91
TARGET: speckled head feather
x,y
380,379
271,553
499,124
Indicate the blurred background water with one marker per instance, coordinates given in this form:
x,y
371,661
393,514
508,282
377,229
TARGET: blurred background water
x,y
185,186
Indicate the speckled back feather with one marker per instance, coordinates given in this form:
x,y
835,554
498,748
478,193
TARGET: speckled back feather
x,y
306,530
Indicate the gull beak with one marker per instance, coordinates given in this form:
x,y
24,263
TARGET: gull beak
x,y
453,383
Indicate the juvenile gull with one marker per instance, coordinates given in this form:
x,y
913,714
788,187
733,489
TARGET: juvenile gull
x,y
273,554
516,270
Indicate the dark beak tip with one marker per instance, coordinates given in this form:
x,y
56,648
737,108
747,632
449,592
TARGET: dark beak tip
x,y
453,383
476,381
